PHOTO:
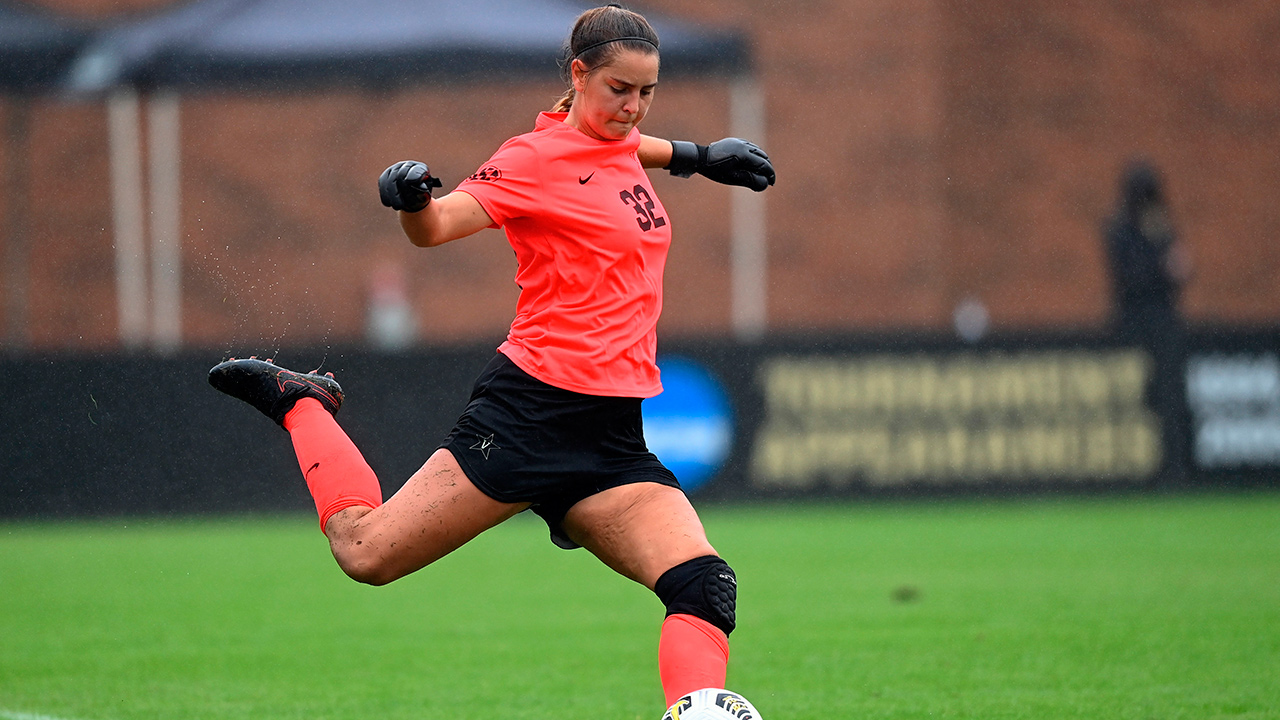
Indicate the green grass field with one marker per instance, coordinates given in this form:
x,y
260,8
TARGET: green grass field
x,y
1108,608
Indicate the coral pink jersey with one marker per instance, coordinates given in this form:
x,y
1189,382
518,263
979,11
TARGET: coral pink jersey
x,y
591,241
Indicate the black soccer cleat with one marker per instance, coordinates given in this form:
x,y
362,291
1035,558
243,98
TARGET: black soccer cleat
x,y
272,389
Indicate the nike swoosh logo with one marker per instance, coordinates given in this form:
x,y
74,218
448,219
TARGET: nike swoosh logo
x,y
584,180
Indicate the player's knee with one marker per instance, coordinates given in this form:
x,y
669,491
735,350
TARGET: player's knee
x,y
362,564
705,588
363,568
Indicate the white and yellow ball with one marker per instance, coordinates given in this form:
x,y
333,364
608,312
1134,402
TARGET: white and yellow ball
x,y
712,704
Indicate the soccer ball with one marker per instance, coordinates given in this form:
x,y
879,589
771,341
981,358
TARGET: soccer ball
x,y
712,704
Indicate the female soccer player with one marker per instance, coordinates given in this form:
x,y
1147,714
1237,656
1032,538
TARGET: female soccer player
x,y
554,420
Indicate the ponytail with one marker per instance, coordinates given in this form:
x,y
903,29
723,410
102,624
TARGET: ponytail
x,y
565,102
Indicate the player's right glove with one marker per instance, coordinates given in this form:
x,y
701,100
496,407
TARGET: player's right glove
x,y
407,186
731,161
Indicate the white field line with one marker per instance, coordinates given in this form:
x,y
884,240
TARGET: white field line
x,y
15,715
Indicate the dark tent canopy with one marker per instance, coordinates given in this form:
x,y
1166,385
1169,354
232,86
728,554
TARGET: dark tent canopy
x,y
35,48
284,44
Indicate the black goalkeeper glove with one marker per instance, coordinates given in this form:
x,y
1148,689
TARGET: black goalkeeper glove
x,y
731,161
407,186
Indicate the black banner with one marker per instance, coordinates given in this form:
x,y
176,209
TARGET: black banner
x,y
814,416
1233,396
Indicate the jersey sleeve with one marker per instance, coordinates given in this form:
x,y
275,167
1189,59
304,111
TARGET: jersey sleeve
x,y
509,184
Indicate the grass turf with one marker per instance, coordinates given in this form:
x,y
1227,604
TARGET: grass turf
x,y
1106,608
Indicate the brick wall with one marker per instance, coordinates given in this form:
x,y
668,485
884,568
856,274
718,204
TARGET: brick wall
x,y
927,150
1046,102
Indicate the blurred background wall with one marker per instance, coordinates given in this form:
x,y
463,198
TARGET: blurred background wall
x,y
929,152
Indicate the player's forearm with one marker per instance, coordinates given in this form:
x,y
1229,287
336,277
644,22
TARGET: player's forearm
x,y
731,161
430,226
654,152
422,228
453,216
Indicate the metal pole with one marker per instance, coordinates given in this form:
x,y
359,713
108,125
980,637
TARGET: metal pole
x,y
749,253
126,198
164,135
18,244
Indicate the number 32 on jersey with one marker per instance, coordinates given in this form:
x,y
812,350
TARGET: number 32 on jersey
x,y
638,199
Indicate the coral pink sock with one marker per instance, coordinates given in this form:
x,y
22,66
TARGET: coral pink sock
x,y
336,473
692,654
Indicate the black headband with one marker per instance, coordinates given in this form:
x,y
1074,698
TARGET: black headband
x,y
617,39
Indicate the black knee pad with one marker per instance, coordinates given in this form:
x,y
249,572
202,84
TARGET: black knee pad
x,y
704,587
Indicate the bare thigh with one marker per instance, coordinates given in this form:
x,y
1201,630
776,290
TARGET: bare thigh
x,y
640,530
437,511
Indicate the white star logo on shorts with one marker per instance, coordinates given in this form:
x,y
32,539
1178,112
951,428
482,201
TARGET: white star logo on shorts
x,y
485,445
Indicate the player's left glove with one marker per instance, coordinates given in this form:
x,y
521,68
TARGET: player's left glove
x,y
732,161
406,186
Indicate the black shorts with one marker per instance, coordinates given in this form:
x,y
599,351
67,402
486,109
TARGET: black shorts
x,y
522,440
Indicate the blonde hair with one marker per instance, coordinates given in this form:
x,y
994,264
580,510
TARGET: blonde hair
x,y
598,35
